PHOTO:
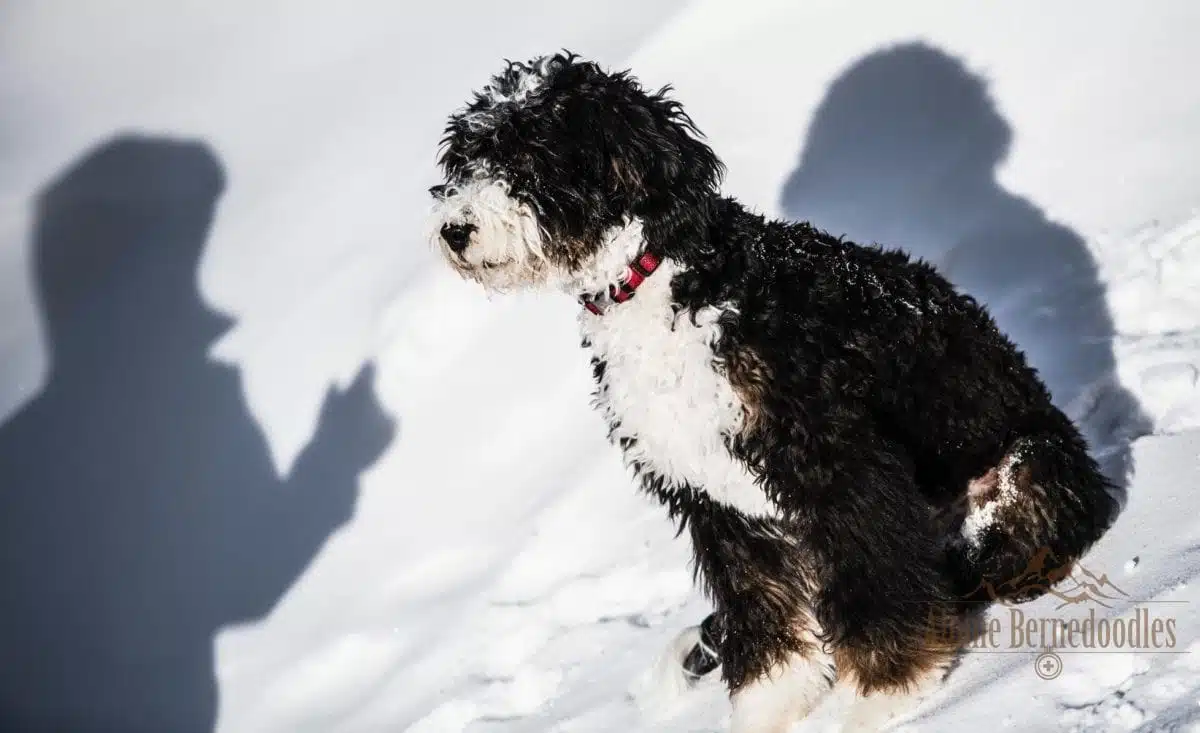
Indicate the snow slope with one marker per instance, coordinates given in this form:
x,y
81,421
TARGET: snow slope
x,y
497,572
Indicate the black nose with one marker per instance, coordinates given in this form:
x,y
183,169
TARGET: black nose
x,y
457,236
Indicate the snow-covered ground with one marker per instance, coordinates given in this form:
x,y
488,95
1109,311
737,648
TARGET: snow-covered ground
x,y
203,506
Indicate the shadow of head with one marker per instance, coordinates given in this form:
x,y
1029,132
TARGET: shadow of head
x,y
906,104
126,223
891,126
902,151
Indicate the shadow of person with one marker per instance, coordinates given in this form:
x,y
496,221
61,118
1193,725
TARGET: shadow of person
x,y
140,511
903,151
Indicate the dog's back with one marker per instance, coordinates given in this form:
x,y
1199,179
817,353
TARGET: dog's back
x,y
1006,472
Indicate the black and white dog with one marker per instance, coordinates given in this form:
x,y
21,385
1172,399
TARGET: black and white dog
x,y
859,455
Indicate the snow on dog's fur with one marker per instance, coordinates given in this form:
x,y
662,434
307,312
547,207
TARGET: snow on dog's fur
x,y
853,447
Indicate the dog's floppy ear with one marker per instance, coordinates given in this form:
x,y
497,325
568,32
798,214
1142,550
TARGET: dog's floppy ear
x,y
655,155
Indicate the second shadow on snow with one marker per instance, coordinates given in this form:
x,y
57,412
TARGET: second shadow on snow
x,y
140,511
903,152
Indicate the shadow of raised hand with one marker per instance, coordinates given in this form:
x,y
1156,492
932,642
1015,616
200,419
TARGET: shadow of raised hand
x,y
353,432
140,512
317,498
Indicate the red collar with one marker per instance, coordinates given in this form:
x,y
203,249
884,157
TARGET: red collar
x,y
634,276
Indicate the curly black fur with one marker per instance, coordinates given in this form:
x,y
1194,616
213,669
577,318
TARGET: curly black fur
x,y
582,156
888,393
879,392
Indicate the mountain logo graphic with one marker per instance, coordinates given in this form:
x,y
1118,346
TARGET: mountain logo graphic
x,y
1070,582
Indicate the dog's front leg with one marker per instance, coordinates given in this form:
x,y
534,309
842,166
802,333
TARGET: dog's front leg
x,y
883,597
762,581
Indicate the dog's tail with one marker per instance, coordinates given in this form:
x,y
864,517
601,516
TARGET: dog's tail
x,y
1032,516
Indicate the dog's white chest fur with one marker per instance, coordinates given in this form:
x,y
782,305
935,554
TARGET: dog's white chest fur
x,y
661,389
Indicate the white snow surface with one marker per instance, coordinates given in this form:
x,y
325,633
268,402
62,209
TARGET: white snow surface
x,y
499,573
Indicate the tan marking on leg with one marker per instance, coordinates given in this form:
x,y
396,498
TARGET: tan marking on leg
x,y
1007,499
902,661
892,680
983,489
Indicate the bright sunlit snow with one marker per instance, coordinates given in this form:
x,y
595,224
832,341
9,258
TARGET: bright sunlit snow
x,y
261,447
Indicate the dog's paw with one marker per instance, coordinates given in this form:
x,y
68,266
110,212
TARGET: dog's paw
x,y
658,691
